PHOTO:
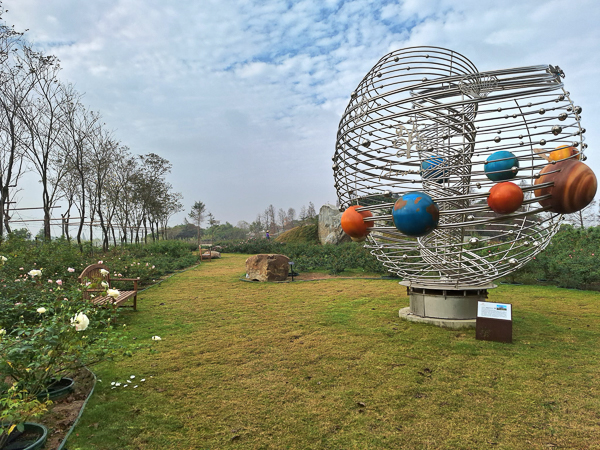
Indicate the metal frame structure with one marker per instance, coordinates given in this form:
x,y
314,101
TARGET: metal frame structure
x,y
432,104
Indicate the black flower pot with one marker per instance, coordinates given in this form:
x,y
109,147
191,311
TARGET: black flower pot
x,y
33,437
57,389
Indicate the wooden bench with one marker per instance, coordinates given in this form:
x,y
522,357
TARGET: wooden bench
x,y
92,275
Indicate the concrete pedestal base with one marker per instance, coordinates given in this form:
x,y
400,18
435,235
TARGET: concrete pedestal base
x,y
454,324
451,307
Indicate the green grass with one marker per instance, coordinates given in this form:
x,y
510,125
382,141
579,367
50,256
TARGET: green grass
x,y
328,364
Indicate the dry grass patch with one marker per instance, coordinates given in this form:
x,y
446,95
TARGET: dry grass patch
x,y
328,364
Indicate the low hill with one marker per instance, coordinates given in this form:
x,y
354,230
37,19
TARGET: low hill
x,y
302,234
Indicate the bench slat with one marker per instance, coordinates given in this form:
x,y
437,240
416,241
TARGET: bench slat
x,y
123,296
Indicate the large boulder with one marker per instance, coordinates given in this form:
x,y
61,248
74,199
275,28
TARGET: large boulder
x,y
330,226
267,267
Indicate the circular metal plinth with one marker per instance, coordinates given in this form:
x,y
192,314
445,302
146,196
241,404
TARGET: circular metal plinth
x,y
445,303
454,324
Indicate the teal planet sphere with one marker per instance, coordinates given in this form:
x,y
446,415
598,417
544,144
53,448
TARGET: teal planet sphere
x,y
501,166
433,169
415,214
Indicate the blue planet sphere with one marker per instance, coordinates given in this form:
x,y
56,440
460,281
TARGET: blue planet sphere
x,y
415,214
433,169
501,165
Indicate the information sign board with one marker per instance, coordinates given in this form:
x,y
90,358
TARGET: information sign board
x,y
494,322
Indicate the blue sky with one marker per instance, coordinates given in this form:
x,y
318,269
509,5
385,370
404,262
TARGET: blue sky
x,y
244,97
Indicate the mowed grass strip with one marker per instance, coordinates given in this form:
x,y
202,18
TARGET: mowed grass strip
x,y
328,364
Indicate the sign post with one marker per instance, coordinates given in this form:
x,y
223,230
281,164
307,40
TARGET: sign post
x,y
494,322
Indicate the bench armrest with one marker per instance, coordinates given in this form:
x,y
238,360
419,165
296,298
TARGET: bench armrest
x,y
135,281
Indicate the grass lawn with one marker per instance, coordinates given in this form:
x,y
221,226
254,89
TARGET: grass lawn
x,y
328,364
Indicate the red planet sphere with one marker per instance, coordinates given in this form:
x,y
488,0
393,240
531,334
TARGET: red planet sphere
x,y
574,186
505,198
353,224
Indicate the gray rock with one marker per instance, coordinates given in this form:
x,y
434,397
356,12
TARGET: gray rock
x,y
330,227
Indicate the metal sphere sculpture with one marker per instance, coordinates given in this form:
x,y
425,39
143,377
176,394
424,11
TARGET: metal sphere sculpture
x,y
466,174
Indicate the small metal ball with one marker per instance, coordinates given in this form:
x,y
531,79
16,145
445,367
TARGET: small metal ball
x,y
408,68
520,136
499,109
335,166
574,144
578,110
473,240
521,143
567,93
497,139
542,111
354,94
506,116
584,158
379,75
556,130
514,116
526,243
514,169
470,217
513,261
529,104
552,162
387,194
561,97
511,232
584,145
562,116
366,144
499,132
543,142
583,130
536,176
478,185
396,59
426,56
569,109
536,244
405,256
424,79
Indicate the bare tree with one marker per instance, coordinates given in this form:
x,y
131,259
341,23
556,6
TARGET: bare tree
x,y
270,218
16,85
282,218
291,216
310,212
79,128
42,117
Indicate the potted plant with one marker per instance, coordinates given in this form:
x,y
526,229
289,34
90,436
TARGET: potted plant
x,y
17,406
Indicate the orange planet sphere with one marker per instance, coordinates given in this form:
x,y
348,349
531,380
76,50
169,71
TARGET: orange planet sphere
x,y
505,198
563,152
574,186
353,224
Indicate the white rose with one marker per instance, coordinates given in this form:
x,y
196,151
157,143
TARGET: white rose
x,y
104,284
114,293
35,273
41,310
80,322
2,332
104,272
3,258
